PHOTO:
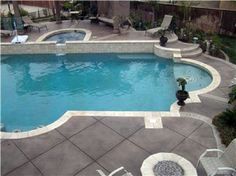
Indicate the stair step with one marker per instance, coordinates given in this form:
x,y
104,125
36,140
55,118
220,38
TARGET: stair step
x,y
194,53
190,48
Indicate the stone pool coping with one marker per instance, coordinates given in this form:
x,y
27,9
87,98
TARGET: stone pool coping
x,y
87,32
151,161
174,109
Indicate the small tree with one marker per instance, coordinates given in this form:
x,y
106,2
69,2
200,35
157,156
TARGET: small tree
x,y
182,82
16,9
58,12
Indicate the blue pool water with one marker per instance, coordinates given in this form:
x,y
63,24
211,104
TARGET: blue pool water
x,y
38,89
66,36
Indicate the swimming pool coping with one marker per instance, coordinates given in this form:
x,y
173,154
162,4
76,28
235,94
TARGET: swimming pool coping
x,y
87,32
174,109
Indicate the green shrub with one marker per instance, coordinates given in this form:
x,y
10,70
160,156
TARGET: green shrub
x,y
228,118
200,35
229,46
226,125
225,122
23,12
203,45
232,94
67,6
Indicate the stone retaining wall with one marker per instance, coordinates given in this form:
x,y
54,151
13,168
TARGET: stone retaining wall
x,y
79,47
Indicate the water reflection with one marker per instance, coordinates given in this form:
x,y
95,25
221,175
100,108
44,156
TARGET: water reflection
x,y
75,74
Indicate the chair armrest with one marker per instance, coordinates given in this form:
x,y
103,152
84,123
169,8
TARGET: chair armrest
x,y
214,150
224,169
207,151
210,150
115,171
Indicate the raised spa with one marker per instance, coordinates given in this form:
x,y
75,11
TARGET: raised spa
x,y
64,36
38,89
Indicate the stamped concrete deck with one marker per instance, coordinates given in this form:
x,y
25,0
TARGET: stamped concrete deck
x,y
85,144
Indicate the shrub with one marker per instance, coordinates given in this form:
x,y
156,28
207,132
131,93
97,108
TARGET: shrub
x,y
226,125
232,94
225,122
67,6
23,12
203,45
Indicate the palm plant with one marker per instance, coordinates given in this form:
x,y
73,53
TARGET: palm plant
x,y
182,95
182,82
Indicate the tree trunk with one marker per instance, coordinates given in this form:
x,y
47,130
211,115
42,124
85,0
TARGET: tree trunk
x,y
58,14
16,8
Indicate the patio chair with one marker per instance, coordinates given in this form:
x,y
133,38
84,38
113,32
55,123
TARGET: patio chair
x,y
226,162
75,15
107,21
30,23
121,169
6,32
164,25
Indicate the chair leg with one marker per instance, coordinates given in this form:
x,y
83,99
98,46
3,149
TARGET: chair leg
x,y
100,172
197,164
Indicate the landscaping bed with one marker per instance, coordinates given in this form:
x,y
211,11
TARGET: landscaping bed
x,y
229,47
225,122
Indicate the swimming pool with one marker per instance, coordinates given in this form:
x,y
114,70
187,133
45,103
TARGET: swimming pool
x,y
64,36
38,89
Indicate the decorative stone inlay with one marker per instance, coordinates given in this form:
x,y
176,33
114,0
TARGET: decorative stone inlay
x,y
160,161
164,168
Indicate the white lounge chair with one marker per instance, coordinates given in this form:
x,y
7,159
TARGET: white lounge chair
x,y
6,32
125,173
164,25
28,22
106,20
225,162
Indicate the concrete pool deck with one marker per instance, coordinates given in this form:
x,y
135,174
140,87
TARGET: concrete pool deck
x,y
99,31
84,144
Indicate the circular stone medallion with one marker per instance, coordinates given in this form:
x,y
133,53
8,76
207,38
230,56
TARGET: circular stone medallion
x,y
168,168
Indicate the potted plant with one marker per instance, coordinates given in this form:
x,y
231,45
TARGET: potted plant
x,y
163,38
182,95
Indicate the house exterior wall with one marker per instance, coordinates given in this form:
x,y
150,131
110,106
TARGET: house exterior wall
x,y
113,8
45,4
231,5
